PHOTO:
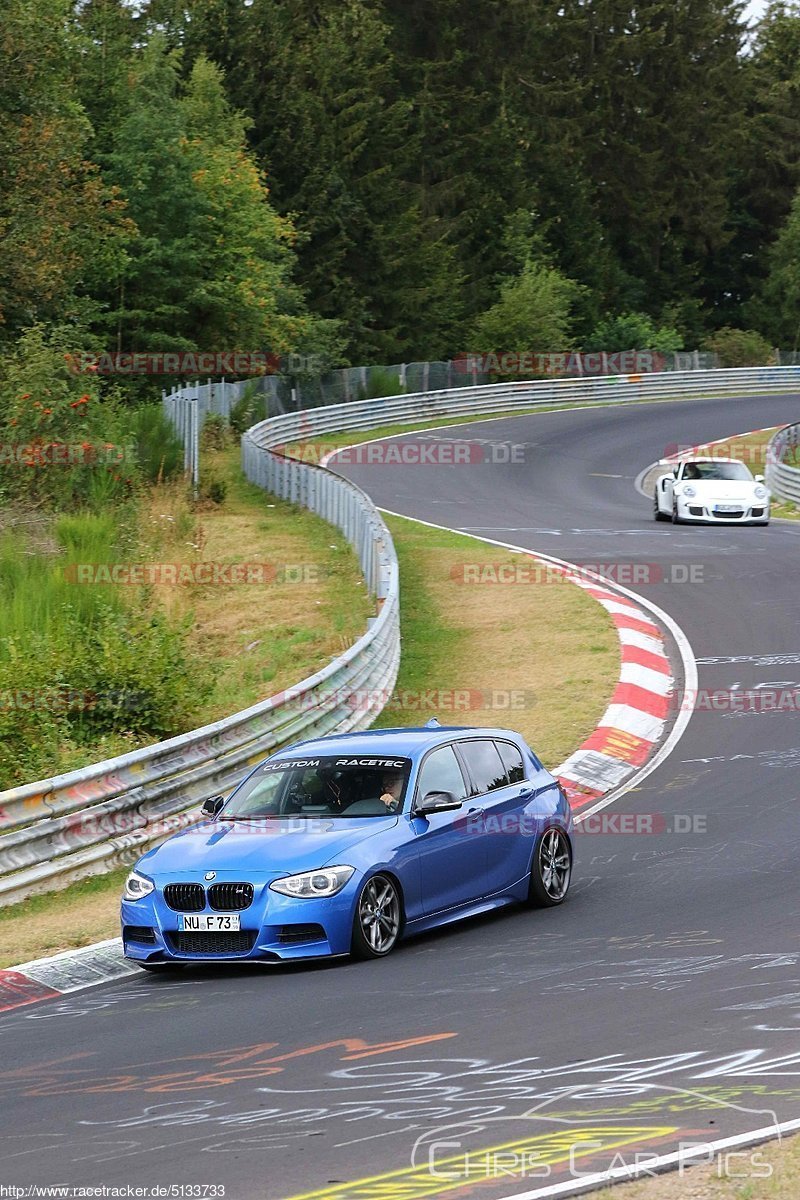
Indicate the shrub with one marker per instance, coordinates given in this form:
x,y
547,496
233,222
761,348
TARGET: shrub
x,y
213,489
215,434
741,348
78,663
633,331
381,382
249,409
534,312
157,447
58,436
134,665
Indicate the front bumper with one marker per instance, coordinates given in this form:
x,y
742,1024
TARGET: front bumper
x,y
274,928
746,514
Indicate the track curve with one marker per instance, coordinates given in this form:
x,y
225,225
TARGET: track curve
x,y
661,1005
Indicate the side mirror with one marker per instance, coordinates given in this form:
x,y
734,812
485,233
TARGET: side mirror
x,y
211,807
436,802
759,478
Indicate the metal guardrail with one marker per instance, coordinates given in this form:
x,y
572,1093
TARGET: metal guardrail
x,y
90,820
783,480
101,816
506,397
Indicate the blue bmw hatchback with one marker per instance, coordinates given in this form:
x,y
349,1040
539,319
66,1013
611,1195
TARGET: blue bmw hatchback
x,y
344,844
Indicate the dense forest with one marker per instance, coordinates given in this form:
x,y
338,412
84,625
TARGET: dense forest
x,y
387,180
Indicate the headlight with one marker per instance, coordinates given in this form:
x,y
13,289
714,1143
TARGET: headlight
x,y
325,882
760,493
136,886
689,490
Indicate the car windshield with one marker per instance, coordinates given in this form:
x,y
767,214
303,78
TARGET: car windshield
x,y
322,787
716,470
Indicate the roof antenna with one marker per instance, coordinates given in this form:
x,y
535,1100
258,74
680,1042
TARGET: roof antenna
x,y
432,724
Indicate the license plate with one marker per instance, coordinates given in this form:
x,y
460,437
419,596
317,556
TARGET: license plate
x,y
723,508
208,923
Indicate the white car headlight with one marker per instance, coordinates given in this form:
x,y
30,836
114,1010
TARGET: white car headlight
x,y
325,882
688,490
760,493
137,886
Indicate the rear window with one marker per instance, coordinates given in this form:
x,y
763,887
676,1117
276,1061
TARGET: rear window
x,y
512,761
485,765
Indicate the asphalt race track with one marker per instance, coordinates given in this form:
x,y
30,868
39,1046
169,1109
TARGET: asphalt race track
x,y
660,1006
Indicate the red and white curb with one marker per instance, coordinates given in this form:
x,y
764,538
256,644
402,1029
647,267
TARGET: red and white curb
x,y
47,978
630,741
635,721
635,733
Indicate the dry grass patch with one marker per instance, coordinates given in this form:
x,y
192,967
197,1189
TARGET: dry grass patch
x,y
86,912
704,1183
542,658
259,638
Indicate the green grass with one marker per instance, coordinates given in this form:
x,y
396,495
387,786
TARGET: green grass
x,y
83,913
163,659
35,589
546,650
259,640
714,1183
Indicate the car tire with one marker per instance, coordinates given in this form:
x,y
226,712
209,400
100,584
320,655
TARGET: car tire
x,y
549,883
675,518
657,513
378,919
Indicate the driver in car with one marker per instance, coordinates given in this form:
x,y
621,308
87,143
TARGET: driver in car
x,y
391,787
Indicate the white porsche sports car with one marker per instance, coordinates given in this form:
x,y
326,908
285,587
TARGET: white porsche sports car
x,y
714,490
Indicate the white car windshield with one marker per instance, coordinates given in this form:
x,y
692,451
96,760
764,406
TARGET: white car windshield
x,y
717,470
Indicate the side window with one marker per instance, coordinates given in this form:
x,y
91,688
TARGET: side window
x,y
441,773
512,761
485,765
